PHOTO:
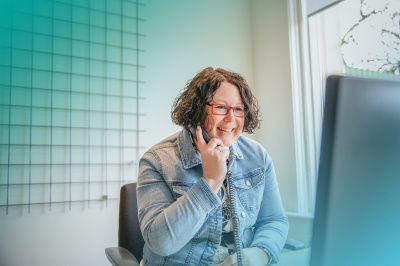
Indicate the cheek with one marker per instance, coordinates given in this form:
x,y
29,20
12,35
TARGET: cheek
x,y
240,124
239,130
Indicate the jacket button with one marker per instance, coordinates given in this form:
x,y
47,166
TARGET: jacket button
x,y
248,183
243,214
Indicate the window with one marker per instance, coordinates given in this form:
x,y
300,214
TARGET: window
x,y
352,37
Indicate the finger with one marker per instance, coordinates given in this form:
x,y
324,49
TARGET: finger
x,y
231,260
225,150
199,133
214,143
234,259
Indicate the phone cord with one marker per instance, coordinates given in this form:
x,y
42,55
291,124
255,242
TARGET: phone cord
x,y
235,219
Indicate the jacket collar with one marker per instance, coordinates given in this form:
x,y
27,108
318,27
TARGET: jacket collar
x,y
190,158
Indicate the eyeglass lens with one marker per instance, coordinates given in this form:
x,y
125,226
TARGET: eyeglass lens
x,y
221,109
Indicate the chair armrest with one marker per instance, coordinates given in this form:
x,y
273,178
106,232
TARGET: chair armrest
x,y
293,244
119,256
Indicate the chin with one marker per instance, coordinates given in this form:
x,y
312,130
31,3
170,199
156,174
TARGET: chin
x,y
229,141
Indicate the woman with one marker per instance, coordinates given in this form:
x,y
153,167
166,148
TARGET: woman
x,y
184,211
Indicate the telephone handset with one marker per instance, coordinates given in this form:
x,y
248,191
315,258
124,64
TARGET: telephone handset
x,y
206,137
232,202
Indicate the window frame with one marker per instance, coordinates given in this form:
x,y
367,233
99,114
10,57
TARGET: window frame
x,y
308,83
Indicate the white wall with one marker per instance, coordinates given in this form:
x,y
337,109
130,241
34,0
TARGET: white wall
x,y
272,82
184,37
60,237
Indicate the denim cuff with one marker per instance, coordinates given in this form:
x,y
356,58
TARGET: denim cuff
x,y
205,196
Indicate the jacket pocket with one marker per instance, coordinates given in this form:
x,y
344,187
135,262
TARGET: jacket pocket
x,y
249,180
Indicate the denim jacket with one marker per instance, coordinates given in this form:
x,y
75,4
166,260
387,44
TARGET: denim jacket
x,y
181,217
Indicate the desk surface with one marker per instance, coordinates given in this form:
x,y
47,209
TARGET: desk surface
x,y
295,258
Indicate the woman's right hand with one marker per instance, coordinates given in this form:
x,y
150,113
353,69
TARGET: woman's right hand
x,y
213,157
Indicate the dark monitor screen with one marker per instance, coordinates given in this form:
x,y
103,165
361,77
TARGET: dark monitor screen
x,y
357,213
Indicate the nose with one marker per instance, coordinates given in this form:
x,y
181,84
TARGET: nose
x,y
229,116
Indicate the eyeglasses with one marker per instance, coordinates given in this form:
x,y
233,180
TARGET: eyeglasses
x,y
222,109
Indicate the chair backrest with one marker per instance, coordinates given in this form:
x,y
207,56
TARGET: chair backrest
x,y
129,234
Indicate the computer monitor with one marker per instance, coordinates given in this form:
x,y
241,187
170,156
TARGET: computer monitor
x,y
357,213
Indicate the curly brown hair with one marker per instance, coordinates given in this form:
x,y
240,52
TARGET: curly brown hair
x,y
189,108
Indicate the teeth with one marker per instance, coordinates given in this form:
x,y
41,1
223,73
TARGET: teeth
x,y
226,130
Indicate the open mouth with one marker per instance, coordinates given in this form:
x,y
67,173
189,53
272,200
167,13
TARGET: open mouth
x,y
225,129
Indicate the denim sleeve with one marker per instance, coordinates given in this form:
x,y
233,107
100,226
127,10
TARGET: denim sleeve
x,y
167,224
272,225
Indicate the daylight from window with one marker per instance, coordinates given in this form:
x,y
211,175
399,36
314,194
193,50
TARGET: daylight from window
x,y
352,38
370,31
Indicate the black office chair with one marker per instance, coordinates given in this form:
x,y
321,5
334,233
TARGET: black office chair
x,y
130,239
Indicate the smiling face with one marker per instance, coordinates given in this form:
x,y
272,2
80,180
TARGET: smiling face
x,y
227,127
